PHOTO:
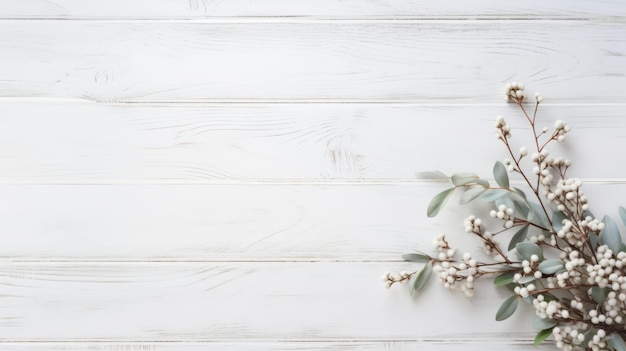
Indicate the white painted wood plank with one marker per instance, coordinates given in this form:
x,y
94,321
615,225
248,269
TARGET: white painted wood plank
x,y
204,8
235,222
233,302
425,345
69,143
461,61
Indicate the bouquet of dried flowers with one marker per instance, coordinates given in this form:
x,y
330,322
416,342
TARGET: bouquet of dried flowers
x,y
563,261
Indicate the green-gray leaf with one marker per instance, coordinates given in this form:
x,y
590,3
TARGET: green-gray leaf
x,y
617,342
538,214
501,175
598,294
422,277
527,279
520,192
610,235
437,203
519,237
543,323
504,279
550,266
622,214
507,308
432,175
526,250
543,335
460,179
494,194
416,257
557,220
471,194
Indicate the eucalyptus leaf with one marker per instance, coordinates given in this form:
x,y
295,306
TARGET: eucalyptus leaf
x,y
519,237
471,194
610,235
527,279
557,220
526,250
460,179
617,342
544,323
416,257
622,214
521,208
543,335
550,266
422,277
598,294
501,175
520,192
504,279
431,175
507,308
437,203
537,215
494,194
482,182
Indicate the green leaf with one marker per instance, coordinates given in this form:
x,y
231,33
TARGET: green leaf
x,y
501,175
482,183
617,343
526,250
504,279
471,194
527,279
543,335
460,179
551,266
520,192
599,294
610,235
437,203
519,237
544,323
622,214
507,308
416,257
557,220
494,194
538,214
422,277
431,175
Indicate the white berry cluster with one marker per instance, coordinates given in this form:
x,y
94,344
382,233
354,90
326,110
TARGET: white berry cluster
x,y
514,92
560,129
503,129
389,279
504,213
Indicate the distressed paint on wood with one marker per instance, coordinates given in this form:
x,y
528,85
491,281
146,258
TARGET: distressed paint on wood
x,y
69,143
434,61
151,9
219,302
236,222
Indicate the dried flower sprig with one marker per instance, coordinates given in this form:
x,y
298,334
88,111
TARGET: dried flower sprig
x,y
562,260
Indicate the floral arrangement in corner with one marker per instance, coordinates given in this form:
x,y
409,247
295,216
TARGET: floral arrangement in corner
x,y
560,259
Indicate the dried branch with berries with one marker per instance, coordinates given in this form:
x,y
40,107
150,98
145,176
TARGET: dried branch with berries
x,y
567,264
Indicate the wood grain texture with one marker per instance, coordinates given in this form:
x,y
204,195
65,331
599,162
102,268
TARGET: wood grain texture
x,y
425,345
236,222
227,302
150,9
70,143
434,61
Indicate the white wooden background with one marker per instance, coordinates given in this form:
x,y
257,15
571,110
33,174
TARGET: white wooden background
x,y
236,175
